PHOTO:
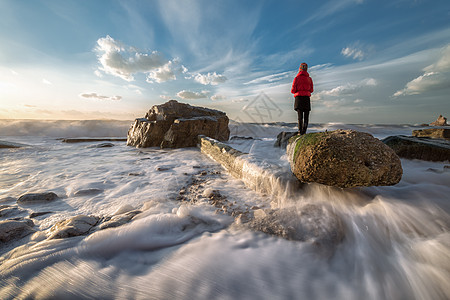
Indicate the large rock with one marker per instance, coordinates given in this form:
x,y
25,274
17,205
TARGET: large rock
x,y
176,125
419,148
12,229
434,133
343,158
75,226
441,121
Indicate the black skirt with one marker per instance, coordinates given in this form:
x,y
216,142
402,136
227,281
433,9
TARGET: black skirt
x,y
302,103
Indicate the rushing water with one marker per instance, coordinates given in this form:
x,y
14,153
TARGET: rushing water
x,y
396,239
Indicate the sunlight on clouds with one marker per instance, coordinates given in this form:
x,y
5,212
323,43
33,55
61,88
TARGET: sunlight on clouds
x,y
192,95
45,81
436,76
210,78
166,72
122,61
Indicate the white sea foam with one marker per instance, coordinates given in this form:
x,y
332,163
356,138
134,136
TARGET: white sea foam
x,y
396,243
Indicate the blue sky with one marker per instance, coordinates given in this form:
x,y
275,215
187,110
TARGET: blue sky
x,y
371,61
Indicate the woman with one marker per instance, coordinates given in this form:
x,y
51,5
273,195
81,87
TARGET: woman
x,y
302,87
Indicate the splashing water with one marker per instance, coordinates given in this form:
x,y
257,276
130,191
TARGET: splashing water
x,y
396,241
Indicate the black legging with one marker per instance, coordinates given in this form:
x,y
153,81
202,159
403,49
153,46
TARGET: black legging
x,y
303,119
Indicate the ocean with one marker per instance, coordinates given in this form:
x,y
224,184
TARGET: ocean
x,y
396,242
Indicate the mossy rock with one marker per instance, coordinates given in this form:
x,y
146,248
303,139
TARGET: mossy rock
x,y
343,158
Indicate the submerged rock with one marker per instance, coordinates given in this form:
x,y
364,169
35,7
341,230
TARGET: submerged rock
x,y
9,211
434,133
177,125
311,223
13,229
419,148
119,220
343,158
37,197
87,192
75,226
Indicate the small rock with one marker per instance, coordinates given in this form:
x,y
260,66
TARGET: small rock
x,y
87,192
119,220
8,211
12,229
38,214
37,197
75,226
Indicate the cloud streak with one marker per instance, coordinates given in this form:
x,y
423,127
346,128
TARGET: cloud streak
x,y
435,76
100,97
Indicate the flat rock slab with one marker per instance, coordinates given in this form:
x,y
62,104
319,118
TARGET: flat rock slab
x,y
419,148
37,197
5,144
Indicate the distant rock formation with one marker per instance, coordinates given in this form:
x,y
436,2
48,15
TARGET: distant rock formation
x,y
434,133
177,125
441,121
419,148
343,158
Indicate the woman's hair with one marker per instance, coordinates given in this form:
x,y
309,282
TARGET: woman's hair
x,y
304,67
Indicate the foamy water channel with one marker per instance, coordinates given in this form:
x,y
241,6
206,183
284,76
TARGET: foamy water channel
x,y
396,241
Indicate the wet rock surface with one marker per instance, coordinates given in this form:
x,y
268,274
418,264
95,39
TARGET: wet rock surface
x,y
37,198
15,229
177,125
79,225
119,220
343,158
419,148
312,223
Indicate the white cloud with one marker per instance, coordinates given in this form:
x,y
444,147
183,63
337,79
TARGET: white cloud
x,y
353,52
98,73
192,95
210,78
166,72
100,97
436,76
218,97
45,81
122,61
271,78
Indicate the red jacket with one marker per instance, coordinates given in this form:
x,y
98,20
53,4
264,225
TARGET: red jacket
x,y
302,85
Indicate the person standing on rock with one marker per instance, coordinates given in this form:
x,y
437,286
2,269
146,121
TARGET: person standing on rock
x,y
302,87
